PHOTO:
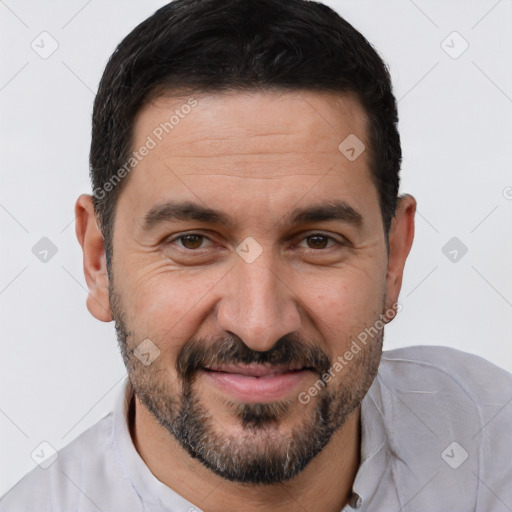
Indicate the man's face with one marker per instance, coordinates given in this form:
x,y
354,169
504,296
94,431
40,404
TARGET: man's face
x,y
245,316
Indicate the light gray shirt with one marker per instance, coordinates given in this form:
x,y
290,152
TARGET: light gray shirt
x,y
436,437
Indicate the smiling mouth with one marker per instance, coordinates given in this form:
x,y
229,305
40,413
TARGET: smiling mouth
x,y
255,369
256,382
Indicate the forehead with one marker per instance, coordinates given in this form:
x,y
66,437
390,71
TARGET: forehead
x,y
252,144
263,122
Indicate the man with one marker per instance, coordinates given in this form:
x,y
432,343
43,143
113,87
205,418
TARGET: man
x,y
246,236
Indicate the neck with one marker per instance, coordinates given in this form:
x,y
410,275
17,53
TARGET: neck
x,y
324,484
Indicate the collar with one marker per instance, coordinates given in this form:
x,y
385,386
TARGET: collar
x,y
150,490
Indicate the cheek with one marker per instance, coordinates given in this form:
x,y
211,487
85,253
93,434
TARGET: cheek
x,y
343,305
169,305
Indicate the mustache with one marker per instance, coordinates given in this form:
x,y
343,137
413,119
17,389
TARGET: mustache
x,y
290,349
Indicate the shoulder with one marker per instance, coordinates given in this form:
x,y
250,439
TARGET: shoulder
x,y
445,367
75,479
442,417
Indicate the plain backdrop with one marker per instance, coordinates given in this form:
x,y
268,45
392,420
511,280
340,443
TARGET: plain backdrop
x,y
60,369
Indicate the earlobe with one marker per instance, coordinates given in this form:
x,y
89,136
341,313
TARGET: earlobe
x,y
94,260
401,236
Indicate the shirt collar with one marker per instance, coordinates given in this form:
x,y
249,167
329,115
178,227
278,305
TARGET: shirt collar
x,y
150,490
374,452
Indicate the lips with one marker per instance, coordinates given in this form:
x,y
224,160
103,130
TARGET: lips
x,y
255,382
254,369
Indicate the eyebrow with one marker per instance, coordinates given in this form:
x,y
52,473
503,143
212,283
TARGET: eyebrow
x,y
326,211
185,210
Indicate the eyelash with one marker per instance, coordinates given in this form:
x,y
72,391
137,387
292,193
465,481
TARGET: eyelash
x,y
328,237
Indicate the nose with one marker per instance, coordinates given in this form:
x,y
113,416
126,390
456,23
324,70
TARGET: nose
x,y
257,304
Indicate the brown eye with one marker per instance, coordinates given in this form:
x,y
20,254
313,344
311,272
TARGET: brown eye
x,y
191,241
317,241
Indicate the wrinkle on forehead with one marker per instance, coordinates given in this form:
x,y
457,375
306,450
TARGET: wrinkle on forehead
x,y
229,145
254,124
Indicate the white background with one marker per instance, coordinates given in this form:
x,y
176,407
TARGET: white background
x,y
59,367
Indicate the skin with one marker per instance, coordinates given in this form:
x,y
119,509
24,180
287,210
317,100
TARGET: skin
x,y
255,156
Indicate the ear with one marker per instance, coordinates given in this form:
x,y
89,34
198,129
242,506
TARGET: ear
x,y
95,263
401,235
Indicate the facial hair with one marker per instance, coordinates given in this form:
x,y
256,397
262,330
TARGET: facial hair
x,y
266,452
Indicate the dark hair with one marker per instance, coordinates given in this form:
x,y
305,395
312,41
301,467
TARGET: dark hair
x,y
230,45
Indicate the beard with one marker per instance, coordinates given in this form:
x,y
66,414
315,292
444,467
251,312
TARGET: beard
x,y
273,441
